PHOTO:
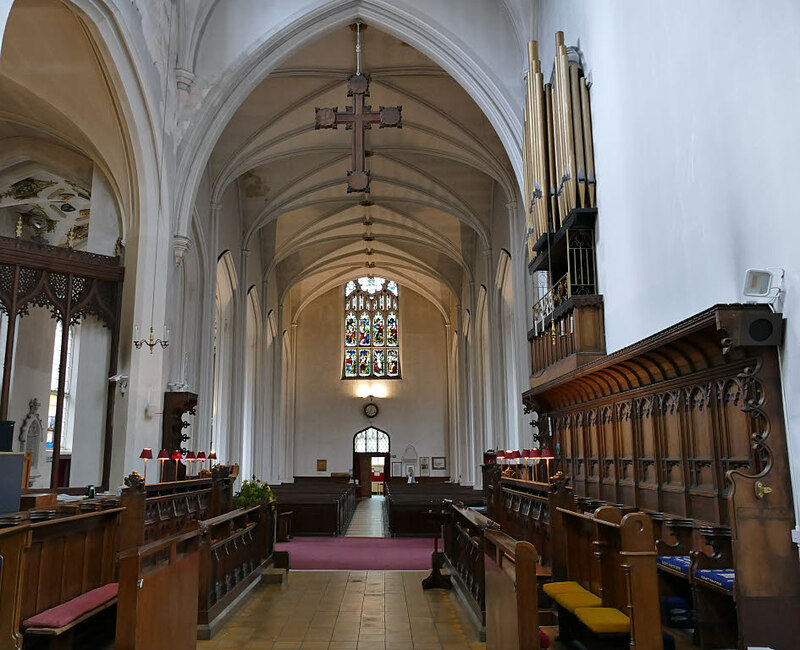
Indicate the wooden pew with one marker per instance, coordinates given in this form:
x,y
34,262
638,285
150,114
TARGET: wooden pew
x,y
318,508
512,612
464,553
236,544
408,504
14,539
235,548
711,577
610,598
67,567
157,607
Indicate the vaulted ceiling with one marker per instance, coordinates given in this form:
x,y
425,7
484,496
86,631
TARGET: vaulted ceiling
x,y
433,182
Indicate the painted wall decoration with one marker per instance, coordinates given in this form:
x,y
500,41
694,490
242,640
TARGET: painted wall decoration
x,y
46,209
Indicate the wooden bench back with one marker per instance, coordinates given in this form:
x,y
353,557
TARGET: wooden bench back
x,y
13,542
512,608
67,557
159,510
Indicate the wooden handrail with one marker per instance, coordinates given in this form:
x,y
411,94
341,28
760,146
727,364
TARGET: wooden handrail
x,y
592,518
152,547
85,515
207,523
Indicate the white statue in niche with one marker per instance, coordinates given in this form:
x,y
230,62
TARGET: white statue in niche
x,y
30,437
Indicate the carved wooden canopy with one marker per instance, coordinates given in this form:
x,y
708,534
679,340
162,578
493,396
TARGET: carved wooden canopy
x,y
708,340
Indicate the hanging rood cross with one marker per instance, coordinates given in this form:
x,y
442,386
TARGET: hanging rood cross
x,y
359,117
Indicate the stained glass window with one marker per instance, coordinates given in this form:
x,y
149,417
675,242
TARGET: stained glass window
x,y
371,328
371,440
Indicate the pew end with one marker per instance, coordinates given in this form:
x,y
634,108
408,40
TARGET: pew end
x,y
512,607
158,587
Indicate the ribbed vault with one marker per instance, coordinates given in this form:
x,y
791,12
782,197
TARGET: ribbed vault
x,y
433,185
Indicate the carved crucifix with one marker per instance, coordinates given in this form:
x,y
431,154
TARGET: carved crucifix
x,y
358,118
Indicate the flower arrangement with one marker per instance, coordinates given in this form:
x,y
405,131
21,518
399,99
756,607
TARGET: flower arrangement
x,y
252,492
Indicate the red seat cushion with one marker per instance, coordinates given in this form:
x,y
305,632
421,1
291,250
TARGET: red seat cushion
x,y
544,640
64,614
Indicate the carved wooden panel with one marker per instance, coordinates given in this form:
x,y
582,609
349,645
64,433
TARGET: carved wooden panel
x,y
659,425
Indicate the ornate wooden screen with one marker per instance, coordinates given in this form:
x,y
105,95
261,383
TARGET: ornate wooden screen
x,y
667,424
71,285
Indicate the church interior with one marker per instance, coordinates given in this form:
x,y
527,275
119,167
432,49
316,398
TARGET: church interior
x,y
420,324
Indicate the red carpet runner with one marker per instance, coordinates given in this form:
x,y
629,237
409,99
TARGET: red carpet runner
x,y
359,553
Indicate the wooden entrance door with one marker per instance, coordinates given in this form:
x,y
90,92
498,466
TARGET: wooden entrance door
x,y
365,475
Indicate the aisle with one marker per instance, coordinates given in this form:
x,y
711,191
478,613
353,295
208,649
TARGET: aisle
x,y
369,519
358,553
356,610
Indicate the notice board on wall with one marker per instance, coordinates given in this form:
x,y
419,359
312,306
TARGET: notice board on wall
x,y
10,481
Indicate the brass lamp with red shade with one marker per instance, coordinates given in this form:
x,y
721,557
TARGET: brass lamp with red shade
x,y
201,456
147,454
515,456
176,456
162,456
190,456
526,454
547,454
536,454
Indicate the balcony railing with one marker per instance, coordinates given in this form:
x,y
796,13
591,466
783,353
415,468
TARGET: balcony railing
x,y
567,321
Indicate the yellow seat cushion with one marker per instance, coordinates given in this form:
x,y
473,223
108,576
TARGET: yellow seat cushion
x,y
552,588
604,620
572,600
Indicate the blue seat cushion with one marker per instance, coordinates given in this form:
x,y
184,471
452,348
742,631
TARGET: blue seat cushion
x,y
717,577
679,563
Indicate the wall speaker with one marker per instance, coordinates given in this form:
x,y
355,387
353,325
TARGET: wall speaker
x,y
761,329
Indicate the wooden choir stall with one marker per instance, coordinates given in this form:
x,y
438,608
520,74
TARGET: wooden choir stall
x,y
158,567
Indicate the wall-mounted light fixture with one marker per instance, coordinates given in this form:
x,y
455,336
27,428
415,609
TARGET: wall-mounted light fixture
x,y
763,285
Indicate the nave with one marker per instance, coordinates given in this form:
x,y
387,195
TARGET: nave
x,y
471,321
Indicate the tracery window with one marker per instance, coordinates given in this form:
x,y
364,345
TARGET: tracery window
x,y
371,329
371,440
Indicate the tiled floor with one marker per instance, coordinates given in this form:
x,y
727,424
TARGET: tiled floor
x,y
369,519
353,610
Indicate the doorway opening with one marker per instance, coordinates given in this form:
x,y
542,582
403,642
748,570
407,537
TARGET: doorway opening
x,y
371,448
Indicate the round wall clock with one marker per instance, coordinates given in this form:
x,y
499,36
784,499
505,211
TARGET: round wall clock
x,y
371,410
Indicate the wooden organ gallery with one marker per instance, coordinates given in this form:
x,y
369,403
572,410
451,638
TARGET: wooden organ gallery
x,y
668,496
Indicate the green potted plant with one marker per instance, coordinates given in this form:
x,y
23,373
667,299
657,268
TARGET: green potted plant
x,y
253,492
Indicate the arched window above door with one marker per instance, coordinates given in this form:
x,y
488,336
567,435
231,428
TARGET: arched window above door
x,y
371,440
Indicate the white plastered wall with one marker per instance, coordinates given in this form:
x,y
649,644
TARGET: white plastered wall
x,y
328,412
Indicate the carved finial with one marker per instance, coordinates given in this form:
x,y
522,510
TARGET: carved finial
x,y
135,482
18,230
